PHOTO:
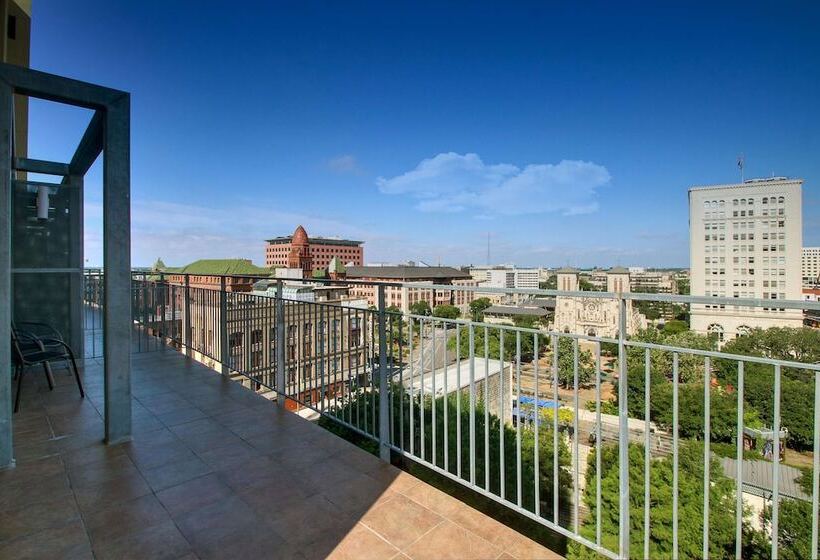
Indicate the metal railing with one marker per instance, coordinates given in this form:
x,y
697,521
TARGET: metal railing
x,y
518,413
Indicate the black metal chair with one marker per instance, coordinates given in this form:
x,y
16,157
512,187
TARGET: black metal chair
x,y
31,338
29,350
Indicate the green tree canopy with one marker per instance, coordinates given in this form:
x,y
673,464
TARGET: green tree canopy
x,y
477,307
566,363
421,308
446,311
690,505
797,385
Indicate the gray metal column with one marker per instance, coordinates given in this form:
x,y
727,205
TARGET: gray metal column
x,y
117,263
75,185
384,389
6,131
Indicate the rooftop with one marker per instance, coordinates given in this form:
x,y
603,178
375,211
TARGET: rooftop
x,y
765,181
317,239
405,272
220,266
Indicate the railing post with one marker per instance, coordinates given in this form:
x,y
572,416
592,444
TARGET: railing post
x,y
186,317
224,351
384,408
163,295
623,433
279,385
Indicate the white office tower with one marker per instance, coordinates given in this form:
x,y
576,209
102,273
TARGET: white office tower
x,y
745,241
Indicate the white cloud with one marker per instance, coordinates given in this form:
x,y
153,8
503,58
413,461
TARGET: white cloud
x,y
451,182
344,164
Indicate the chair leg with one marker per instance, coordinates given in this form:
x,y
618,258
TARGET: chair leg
x,y
19,387
77,375
49,376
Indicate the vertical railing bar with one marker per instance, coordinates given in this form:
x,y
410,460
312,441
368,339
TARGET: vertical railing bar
x,y
537,419
816,466
391,361
502,489
458,400
739,459
446,427
776,467
555,408
384,386
520,418
707,457
402,390
434,395
575,434
472,404
422,404
623,435
412,390
676,455
320,336
647,457
598,443
487,408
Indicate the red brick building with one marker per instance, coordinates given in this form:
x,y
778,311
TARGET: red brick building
x,y
309,253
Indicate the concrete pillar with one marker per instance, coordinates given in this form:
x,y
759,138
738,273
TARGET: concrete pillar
x,y
6,443
117,263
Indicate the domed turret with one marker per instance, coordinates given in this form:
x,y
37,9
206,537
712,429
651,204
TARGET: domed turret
x,y
300,236
299,255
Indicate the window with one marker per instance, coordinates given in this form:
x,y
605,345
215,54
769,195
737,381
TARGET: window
x,y
256,336
716,331
235,340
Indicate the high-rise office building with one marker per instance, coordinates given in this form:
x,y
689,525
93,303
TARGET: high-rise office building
x,y
810,266
745,241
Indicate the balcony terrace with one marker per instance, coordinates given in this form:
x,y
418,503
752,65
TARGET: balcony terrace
x,y
213,470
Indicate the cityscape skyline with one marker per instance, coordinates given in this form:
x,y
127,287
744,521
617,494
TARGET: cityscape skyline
x,y
513,141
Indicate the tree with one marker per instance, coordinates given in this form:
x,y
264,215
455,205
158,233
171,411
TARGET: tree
x,y
550,284
794,529
566,364
492,346
477,307
690,505
586,286
421,308
797,385
446,312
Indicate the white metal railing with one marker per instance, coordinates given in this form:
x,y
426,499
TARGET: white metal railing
x,y
503,409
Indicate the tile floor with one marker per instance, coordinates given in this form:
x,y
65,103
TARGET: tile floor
x,y
216,471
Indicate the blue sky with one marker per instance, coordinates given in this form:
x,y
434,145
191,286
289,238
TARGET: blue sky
x,y
568,132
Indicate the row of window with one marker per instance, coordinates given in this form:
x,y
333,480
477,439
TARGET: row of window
x,y
744,202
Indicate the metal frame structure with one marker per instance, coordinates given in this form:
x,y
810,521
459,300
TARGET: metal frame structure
x,y
108,133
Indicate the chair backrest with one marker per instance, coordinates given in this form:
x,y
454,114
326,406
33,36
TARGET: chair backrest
x,y
17,352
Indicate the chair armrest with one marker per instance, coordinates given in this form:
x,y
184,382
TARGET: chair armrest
x,y
60,342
